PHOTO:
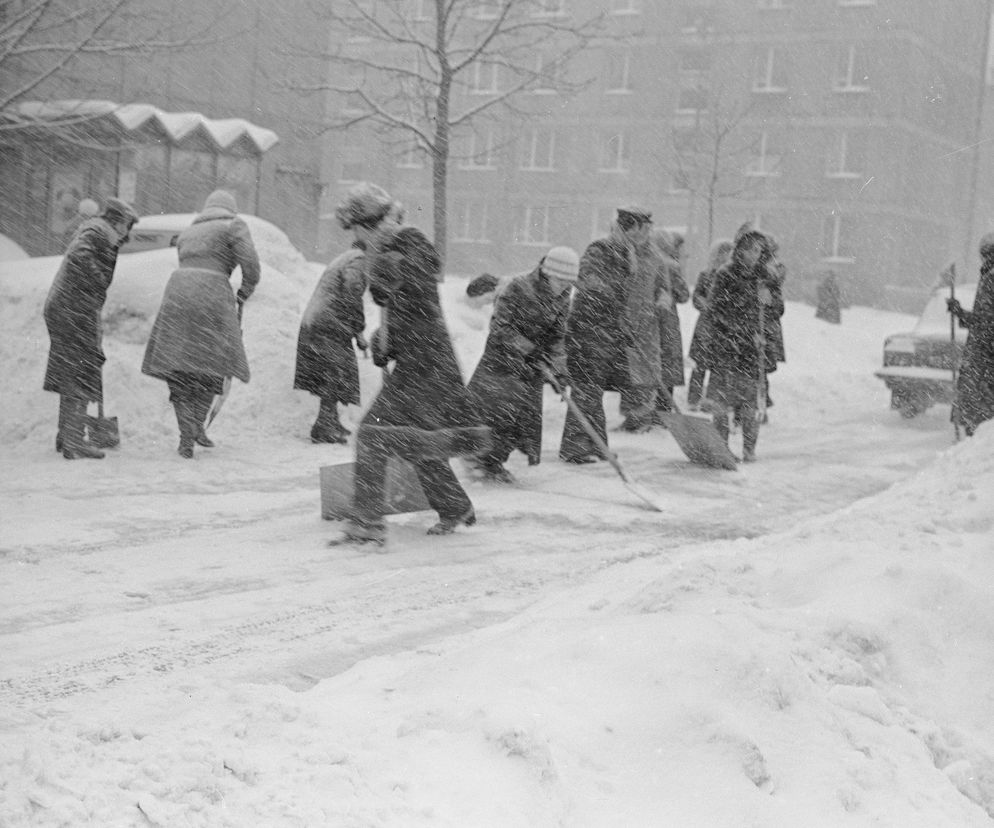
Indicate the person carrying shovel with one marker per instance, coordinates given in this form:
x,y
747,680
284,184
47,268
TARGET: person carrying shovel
x,y
739,300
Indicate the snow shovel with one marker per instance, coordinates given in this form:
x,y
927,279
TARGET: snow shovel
x,y
635,488
103,431
697,437
218,402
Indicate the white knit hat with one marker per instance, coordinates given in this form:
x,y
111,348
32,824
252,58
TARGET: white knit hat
x,y
562,263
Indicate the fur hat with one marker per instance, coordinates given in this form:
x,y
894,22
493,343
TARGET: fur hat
x,y
221,200
117,210
482,284
365,204
562,263
987,245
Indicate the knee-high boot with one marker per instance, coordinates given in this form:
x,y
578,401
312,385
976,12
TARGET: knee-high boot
x,y
74,447
187,422
65,407
201,406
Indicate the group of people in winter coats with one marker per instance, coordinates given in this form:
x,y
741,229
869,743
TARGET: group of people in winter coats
x,y
602,321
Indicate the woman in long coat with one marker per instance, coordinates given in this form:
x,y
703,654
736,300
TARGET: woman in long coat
x,y
740,299
326,360
527,332
72,316
671,290
423,413
196,340
700,341
975,384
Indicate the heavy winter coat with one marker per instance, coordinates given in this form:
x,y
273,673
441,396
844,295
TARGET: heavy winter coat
x,y
73,308
734,312
423,409
528,328
326,359
599,337
975,387
672,290
829,300
773,327
197,330
700,341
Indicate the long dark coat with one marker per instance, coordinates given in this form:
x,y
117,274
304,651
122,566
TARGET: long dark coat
x,y
829,300
700,341
773,327
72,312
197,330
423,409
326,360
598,333
734,312
528,327
975,386
673,290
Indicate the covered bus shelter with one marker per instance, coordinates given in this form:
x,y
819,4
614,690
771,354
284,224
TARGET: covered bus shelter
x,y
53,154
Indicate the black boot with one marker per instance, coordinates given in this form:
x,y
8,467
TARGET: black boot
x,y
327,428
201,407
65,405
74,447
187,422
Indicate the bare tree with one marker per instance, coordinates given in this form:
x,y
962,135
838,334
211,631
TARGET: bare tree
x,y
711,156
401,62
44,42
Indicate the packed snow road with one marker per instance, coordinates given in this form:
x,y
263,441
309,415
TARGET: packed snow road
x,y
138,566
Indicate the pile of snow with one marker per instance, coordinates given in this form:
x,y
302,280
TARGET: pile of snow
x,y
835,673
10,250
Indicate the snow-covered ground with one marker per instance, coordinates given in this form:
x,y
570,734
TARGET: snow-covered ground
x,y
804,641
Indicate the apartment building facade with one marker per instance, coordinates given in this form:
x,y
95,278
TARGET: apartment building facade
x,y
843,127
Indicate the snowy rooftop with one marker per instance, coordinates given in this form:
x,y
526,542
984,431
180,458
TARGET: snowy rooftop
x,y
134,118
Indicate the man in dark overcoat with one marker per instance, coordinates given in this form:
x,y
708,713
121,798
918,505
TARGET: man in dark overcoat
x,y
326,361
601,347
741,302
975,384
527,332
423,413
72,316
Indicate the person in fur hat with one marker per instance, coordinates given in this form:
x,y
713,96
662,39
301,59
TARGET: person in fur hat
x,y
196,339
72,317
423,413
527,333
740,299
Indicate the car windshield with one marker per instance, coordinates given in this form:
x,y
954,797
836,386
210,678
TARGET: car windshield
x,y
935,317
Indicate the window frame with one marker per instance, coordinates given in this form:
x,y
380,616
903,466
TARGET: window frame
x,y
626,73
846,85
763,169
621,158
770,64
838,167
472,222
833,255
524,236
529,163
479,146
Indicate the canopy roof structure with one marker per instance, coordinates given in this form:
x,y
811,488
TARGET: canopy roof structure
x,y
140,122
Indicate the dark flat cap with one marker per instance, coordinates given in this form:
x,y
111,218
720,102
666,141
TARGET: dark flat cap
x,y
635,213
115,209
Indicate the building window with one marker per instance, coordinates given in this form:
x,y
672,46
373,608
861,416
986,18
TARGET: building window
x,y
419,10
836,239
614,152
766,160
484,79
626,7
549,8
695,61
847,158
547,75
692,99
478,153
539,150
533,225
410,157
487,9
471,222
697,18
769,73
850,73
618,73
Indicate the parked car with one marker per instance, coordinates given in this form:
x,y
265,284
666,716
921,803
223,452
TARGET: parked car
x,y
918,365
155,232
